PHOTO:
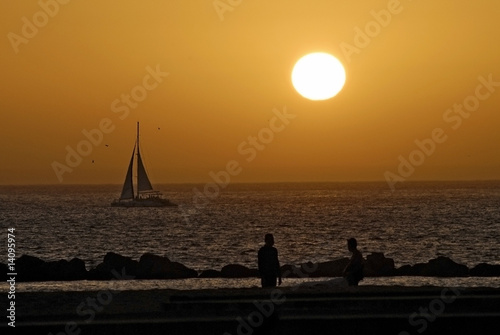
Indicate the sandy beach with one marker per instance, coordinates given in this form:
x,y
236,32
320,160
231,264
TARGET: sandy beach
x,y
287,310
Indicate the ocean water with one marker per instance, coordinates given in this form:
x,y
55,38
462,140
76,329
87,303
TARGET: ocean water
x,y
310,222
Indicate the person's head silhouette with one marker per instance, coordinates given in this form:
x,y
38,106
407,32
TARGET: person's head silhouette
x,y
352,244
269,239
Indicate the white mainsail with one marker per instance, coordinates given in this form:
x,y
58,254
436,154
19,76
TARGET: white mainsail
x,y
143,183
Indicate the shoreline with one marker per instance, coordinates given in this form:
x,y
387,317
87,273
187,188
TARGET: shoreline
x,y
194,284
150,266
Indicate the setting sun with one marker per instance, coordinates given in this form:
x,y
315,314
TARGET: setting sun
x,y
318,76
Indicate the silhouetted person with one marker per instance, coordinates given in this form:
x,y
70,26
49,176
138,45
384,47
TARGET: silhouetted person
x,y
353,272
269,265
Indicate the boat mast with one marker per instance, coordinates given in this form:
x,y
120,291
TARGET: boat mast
x,y
137,141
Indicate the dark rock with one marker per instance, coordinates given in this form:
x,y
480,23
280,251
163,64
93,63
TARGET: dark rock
x,y
326,269
377,265
151,265
149,258
445,267
78,265
210,274
157,267
405,270
113,261
178,271
64,270
76,269
438,267
95,274
419,269
3,272
112,265
290,271
27,261
238,271
485,270
30,268
51,270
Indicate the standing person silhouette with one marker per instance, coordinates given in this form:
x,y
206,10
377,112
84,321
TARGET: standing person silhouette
x,y
269,265
353,272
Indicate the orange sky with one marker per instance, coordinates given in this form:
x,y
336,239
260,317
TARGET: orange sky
x,y
67,68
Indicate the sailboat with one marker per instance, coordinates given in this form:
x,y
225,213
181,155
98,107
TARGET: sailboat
x,y
145,196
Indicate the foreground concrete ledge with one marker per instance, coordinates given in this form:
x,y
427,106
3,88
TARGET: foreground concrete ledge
x,y
290,302
286,310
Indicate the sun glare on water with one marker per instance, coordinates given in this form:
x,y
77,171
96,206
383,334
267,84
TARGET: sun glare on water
x,y
318,76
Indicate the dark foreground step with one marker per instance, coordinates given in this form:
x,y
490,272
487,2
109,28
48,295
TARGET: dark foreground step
x,y
360,310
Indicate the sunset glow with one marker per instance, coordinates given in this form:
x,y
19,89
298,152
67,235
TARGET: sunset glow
x,y
203,77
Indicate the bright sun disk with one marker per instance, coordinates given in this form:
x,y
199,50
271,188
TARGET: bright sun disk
x,y
318,76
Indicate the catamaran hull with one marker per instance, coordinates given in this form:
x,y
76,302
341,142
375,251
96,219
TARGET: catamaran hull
x,y
144,203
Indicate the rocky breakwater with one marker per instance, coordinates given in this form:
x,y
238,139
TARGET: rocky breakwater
x,y
30,268
438,267
150,266
376,265
114,266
